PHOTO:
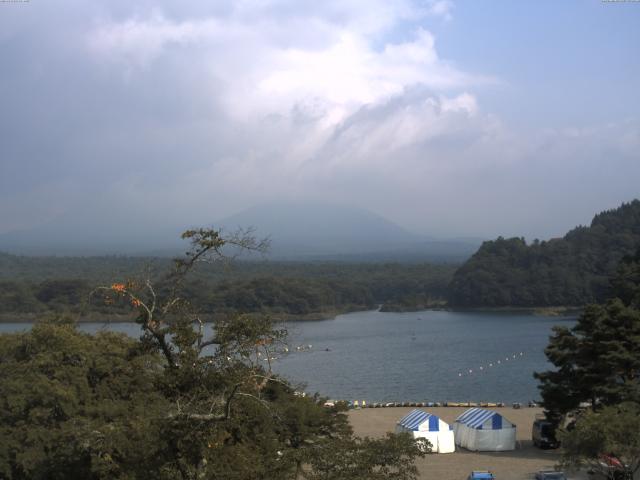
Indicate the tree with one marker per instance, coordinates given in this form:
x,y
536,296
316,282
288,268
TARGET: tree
x,y
597,361
607,442
75,405
367,459
626,283
570,271
192,404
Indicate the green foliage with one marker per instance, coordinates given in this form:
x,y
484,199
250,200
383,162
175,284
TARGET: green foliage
x,y
283,290
19,298
569,271
626,283
598,360
367,459
77,406
175,403
607,442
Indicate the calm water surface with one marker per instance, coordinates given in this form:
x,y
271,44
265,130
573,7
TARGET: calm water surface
x,y
416,356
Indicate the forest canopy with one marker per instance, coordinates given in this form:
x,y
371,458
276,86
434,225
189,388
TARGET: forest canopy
x,y
179,402
282,289
570,271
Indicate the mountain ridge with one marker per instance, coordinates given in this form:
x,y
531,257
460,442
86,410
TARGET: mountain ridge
x,y
300,231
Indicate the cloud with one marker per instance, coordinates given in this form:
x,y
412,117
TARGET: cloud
x,y
332,65
140,42
168,113
441,8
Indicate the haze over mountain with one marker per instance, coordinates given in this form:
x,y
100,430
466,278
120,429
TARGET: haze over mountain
x,y
332,231
134,115
298,231
69,237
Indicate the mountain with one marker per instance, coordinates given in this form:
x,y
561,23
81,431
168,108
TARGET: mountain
x,y
314,231
313,228
299,231
572,271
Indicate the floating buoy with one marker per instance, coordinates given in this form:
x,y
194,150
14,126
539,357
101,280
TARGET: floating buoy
x,y
482,368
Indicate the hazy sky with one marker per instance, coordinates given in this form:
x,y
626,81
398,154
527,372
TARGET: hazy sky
x,y
448,117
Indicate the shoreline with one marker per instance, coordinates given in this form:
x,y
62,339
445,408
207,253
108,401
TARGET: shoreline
x,y
95,317
554,311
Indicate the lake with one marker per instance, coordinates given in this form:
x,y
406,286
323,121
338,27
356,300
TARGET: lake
x,y
417,356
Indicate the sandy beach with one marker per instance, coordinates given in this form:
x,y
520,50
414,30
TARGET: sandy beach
x,y
516,465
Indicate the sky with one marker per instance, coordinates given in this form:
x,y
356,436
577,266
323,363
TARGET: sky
x,y
449,117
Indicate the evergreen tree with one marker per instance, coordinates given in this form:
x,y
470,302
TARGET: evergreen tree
x,y
569,271
598,360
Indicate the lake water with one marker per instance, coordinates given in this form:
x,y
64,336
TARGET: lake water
x,y
418,356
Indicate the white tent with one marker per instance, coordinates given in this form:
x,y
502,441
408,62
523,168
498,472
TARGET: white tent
x,y
484,431
425,425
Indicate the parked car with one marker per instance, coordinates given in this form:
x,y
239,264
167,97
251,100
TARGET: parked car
x,y
614,468
481,475
550,475
543,434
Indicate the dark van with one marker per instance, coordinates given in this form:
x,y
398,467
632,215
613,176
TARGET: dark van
x,y
543,434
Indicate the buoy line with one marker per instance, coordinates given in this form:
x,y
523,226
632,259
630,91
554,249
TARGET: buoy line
x,y
491,365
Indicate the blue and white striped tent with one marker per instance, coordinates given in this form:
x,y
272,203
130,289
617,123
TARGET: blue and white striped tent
x,y
484,430
426,425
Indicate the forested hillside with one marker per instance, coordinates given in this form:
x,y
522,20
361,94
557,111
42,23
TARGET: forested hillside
x,y
568,271
32,285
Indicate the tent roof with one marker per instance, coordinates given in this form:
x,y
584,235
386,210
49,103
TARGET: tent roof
x,y
416,417
475,417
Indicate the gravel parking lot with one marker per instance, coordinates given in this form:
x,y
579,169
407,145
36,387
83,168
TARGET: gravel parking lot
x,y
519,464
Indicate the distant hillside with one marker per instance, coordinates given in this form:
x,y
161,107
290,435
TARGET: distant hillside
x,y
32,286
327,232
572,270
320,229
300,231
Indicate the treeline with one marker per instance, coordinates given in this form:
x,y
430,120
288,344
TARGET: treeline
x,y
282,289
569,271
